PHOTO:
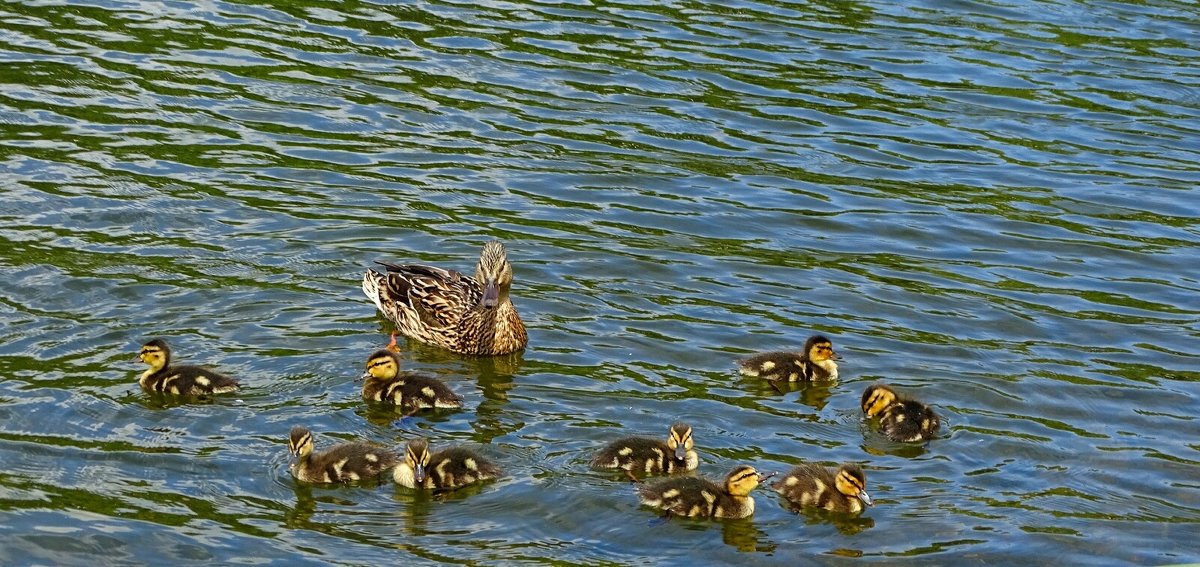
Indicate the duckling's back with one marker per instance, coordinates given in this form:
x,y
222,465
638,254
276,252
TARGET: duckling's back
x,y
346,462
458,466
810,485
187,381
784,366
909,421
694,497
642,454
413,390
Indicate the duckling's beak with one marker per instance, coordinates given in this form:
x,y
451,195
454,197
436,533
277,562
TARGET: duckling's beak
x,y
364,376
293,456
491,295
764,477
137,357
419,473
866,498
835,356
680,452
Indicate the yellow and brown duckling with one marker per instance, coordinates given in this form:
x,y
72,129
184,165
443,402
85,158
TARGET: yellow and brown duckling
x,y
650,456
814,486
182,380
384,382
815,363
696,497
444,470
343,462
900,419
468,315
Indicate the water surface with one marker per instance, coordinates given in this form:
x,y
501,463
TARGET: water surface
x,y
991,205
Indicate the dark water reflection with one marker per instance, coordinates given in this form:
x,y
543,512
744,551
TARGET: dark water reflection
x,y
990,205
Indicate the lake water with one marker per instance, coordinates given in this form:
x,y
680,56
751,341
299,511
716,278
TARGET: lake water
x,y
991,205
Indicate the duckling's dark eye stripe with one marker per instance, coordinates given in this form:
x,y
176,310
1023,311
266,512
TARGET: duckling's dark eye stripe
x,y
746,475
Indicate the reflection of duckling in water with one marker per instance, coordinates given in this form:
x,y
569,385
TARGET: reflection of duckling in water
x,y
696,497
383,382
444,470
179,380
341,463
815,486
650,456
814,363
900,418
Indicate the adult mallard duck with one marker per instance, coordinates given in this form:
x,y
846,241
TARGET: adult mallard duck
x,y
697,497
448,309
815,362
179,379
900,418
650,456
811,485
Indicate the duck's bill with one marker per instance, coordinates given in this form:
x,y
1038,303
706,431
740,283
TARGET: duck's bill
x,y
419,474
491,295
866,498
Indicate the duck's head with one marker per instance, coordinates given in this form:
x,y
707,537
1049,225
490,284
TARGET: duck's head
x,y
494,273
155,353
876,398
300,443
383,365
679,439
743,479
852,482
819,349
416,454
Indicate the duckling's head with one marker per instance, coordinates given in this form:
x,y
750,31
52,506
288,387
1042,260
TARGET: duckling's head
x,y
742,480
876,398
494,273
416,454
156,353
852,482
300,442
383,365
819,349
680,440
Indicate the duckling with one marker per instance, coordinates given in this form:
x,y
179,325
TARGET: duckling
x,y
343,462
383,382
900,419
179,380
650,456
815,362
444,470
815,486
468,315
696,497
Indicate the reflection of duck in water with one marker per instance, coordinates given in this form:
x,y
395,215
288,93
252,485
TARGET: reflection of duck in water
x,y
448,309
182,380
900,419
814,486
343,462
815,363
383,382
444,470
697,497
650,456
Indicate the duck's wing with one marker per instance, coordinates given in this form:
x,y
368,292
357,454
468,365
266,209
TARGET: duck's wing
x,y
439,297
